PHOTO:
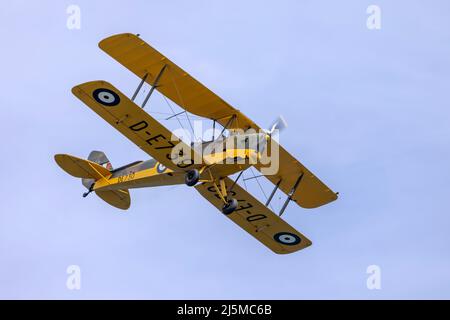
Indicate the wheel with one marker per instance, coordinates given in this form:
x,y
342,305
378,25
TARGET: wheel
x,y
230,207
192,177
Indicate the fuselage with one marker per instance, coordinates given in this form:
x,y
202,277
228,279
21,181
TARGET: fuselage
x,y
224,157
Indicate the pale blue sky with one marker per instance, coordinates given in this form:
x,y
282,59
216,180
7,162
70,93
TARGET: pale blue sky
x,y
367,111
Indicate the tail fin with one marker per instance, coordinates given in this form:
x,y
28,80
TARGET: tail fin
x,y
117,198
100,158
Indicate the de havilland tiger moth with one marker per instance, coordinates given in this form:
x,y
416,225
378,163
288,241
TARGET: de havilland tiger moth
x,y
174,161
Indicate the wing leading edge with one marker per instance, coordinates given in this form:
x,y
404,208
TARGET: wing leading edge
x,y
176,84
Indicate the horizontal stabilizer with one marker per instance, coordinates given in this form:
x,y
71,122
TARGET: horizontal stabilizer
x,y
117,198
81,168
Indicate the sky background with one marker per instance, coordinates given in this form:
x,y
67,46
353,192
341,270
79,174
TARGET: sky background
x,y
368,113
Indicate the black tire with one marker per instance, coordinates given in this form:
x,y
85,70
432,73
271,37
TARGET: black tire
x,y
192,177
230,207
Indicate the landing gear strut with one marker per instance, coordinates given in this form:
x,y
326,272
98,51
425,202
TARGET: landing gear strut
x,y
231,204
192,177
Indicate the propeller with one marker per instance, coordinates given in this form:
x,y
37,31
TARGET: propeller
x,y
279,124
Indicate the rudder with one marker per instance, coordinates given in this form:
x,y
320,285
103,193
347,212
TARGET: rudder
x,y
100,158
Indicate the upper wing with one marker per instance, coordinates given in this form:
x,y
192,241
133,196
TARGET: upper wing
x,y
81,168
133,122
175,83
258,220
310,193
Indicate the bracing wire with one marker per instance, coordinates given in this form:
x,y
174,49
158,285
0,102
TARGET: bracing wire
x,y
173,111
260,186
181,101
243,180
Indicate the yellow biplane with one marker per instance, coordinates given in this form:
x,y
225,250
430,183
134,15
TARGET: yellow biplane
x,y
207,166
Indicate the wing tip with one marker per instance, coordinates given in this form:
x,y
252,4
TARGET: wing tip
x,y
61,160
104,42
95,83
286,252
316,204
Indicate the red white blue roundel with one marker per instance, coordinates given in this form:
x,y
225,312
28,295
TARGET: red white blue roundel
x,y
106,97
287,238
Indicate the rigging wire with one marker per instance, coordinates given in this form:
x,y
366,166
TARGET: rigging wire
x,y
243,180
165,119
173,111
173,114
190,124
181,101
260,186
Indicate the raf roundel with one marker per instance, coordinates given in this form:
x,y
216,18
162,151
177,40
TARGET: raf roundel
x,y
106,97
160,168
287,238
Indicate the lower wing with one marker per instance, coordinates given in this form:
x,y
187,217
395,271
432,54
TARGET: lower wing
x,y
258,220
